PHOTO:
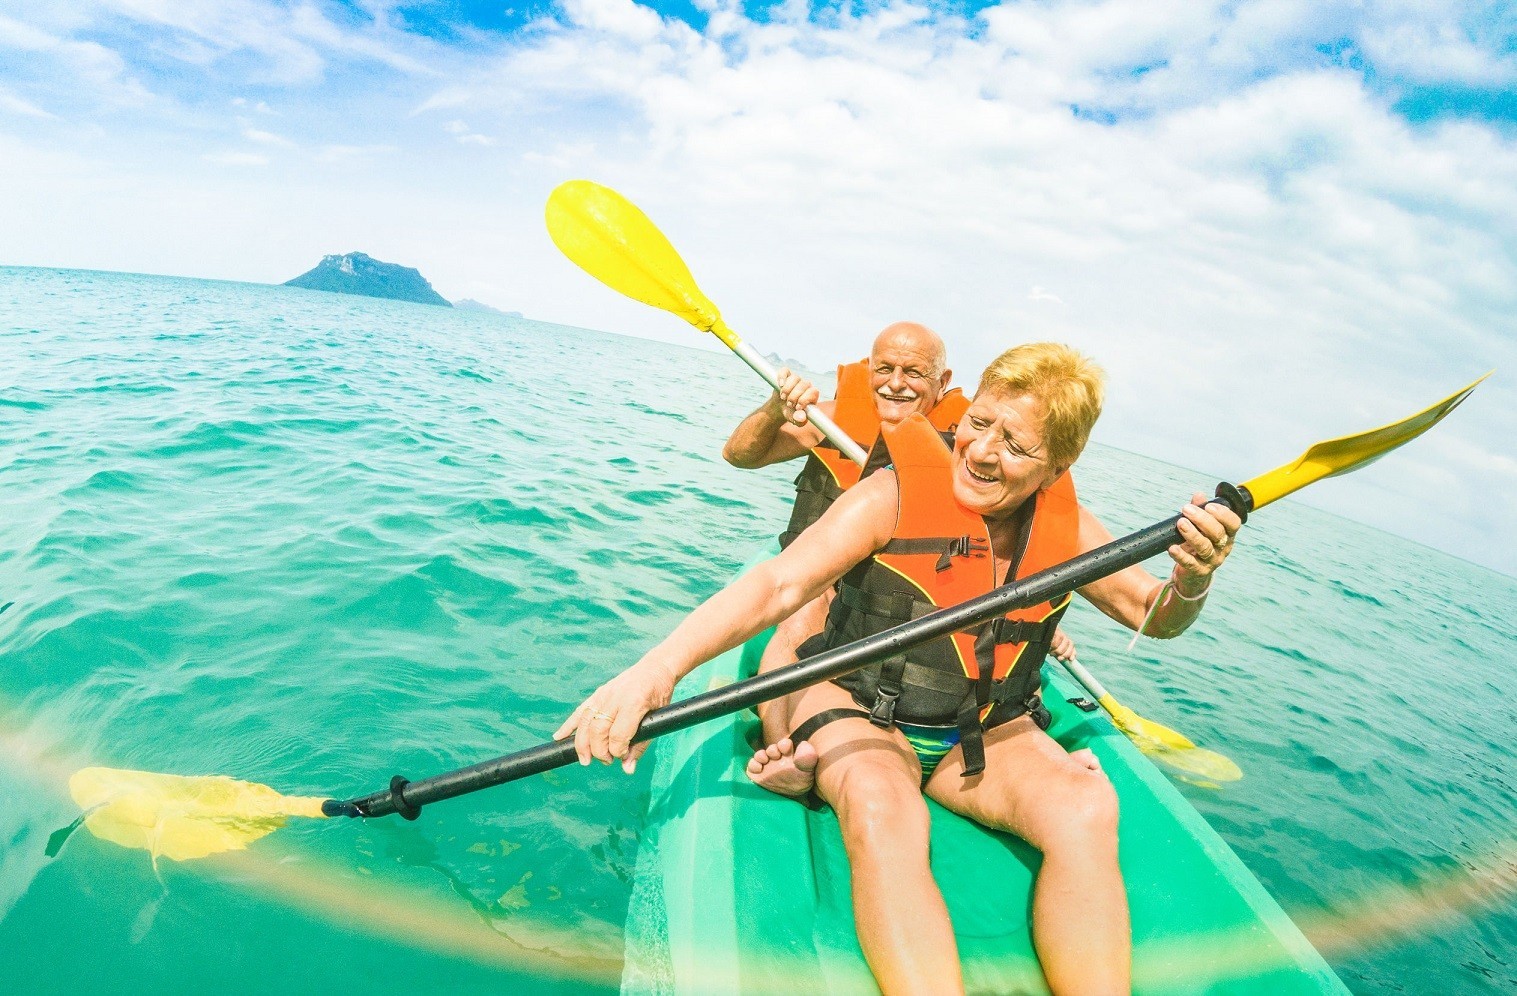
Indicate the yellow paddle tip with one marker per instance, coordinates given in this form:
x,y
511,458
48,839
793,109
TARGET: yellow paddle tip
x,y
1347,453
181,816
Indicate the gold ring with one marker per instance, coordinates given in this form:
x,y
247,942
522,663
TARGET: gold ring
x,y
600,715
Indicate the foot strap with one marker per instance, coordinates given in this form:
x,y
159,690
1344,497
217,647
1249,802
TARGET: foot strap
x,y
807,730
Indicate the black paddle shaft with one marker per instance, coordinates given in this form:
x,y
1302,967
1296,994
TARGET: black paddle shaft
x,y
407,798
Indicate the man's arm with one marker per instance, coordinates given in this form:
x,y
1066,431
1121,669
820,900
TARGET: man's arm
x,y
777,430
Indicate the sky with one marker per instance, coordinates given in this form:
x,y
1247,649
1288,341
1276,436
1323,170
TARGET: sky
x,y
1271,222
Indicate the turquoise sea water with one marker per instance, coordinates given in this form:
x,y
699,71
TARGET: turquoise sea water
x,y
313,541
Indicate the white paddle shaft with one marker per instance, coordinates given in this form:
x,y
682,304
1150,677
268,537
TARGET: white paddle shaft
x,y
835,436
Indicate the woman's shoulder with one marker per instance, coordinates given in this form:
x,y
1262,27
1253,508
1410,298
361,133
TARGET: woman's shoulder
x,y
876,501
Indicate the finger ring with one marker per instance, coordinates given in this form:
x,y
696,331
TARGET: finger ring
x,y
600,715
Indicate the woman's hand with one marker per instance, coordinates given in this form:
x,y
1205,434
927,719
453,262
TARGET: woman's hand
x,y
605,723
1206,533
1062,646
794,394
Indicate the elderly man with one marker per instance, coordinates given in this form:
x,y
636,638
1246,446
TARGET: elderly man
x,y
906,373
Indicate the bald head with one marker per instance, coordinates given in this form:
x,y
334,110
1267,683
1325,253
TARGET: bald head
x,y
909,372
916,339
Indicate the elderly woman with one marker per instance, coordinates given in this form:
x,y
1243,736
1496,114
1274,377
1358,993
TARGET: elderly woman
x,y
959,718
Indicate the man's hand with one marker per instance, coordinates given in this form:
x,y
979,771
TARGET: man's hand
x,y
793,396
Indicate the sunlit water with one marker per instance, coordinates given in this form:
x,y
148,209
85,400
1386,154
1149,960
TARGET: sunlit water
x,y
313,540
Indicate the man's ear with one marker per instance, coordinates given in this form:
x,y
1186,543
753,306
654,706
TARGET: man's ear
x,y
943,383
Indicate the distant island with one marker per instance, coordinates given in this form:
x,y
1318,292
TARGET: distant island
x,y
469,304
359,273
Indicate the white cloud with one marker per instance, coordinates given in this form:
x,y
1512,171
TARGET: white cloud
x,y
258,107
464,135
265,137
12,104
1434,53
87,64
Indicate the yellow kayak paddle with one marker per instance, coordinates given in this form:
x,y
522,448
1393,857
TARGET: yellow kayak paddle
x,y
609,238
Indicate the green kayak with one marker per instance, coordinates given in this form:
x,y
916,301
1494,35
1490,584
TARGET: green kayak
x,y
738,890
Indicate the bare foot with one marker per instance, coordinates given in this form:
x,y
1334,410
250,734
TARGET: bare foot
x,y
784,768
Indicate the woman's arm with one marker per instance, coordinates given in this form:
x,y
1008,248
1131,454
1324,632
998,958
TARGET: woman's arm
x,y
857,524
1206,538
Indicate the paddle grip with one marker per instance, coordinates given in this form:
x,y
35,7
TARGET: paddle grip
x,y
836,436
409,797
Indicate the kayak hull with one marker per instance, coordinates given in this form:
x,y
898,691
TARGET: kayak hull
x,y
739,890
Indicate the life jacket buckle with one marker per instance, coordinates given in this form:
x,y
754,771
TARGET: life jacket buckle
x,y
882,713
962,546
1038,712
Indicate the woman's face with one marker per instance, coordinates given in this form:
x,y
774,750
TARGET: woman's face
x,y
998,455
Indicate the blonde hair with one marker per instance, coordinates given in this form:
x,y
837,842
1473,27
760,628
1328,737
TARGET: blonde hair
x,y
1068,383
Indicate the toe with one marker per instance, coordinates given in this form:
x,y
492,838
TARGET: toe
x,y
805,756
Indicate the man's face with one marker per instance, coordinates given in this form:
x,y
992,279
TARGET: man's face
x,y
903,378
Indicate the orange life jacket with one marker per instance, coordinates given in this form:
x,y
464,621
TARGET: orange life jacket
x,y
828,472
940,555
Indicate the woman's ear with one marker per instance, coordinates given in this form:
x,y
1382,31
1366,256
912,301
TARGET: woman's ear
x,y
1054,473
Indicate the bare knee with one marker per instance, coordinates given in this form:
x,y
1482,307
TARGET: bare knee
x,y
878,803
1080,812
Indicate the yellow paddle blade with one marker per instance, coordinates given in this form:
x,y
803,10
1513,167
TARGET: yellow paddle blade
x,y
181,817
1159,742
1137,727
1339,456
609,238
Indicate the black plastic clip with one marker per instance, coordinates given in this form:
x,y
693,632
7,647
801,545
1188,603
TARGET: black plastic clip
x,y
1083,704
962,546
404,809
1039,713
883,712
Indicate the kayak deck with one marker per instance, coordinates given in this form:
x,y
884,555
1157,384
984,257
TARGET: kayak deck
x,y
739,890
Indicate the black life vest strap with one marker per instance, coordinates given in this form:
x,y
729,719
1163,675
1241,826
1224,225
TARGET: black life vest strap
x,y
948,546
1023,631
971,737
808,729
1005,712
892,670
896,607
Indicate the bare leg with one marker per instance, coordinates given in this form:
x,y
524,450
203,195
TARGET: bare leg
x,y
872,780
1063,805
806,622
